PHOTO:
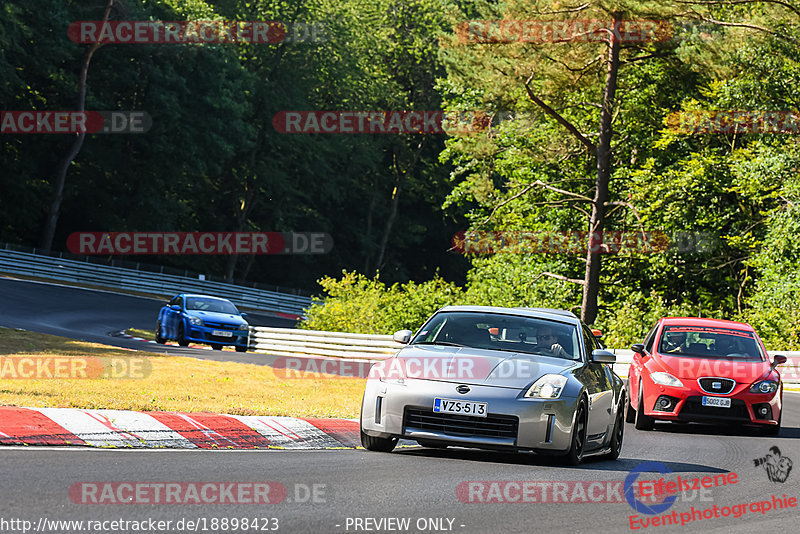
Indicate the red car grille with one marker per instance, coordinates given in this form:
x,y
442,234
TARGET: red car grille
x,y
716,386
693,409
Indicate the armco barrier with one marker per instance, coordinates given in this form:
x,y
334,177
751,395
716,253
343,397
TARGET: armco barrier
x,y
291,342
15,262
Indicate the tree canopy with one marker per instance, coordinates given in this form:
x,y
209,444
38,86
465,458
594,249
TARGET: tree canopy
x,y
605,117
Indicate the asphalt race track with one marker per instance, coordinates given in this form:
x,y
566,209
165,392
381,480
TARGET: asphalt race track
x,y
91,315
339,491
417,484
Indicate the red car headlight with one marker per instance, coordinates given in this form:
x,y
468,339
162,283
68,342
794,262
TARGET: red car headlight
x,y
665,379
765,386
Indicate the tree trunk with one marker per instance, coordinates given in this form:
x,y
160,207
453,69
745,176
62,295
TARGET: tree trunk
x,y
388,229
591,280
63,166
368,237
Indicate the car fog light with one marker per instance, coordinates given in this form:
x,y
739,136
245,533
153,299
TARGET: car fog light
x,y
664,403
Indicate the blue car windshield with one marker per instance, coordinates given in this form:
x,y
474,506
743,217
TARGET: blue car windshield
x,y
210,305
495,331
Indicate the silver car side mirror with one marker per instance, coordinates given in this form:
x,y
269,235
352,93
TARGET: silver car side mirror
x,y
403,336
603,356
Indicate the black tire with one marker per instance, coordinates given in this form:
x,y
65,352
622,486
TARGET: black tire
x,y
578,441
431,444
182,341
216,346
643,422
630,413
241,349
159,339
378,444
617,434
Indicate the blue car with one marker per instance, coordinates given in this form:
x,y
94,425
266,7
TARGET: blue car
x,y
203,319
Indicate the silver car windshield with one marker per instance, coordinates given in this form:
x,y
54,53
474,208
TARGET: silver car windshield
x,y
494,331
210,305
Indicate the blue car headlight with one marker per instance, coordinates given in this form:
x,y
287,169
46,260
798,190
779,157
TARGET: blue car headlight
x,y
244,327
765,386
197,321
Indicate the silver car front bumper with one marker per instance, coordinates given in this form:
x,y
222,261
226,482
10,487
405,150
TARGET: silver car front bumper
x,y
392,409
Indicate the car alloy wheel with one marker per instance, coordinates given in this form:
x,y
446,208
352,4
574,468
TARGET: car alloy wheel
x,y
617,434
575,454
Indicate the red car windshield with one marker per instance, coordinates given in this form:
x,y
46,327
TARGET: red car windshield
x,y
709,342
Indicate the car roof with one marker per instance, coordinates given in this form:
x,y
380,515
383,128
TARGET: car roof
x,y
541,313
203,296
699,321
553,311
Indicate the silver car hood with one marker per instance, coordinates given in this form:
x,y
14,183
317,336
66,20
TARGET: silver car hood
x,y
465,365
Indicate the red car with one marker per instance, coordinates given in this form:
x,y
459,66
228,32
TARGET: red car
x,y
704,370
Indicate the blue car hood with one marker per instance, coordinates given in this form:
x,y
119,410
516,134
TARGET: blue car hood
x,y
216,317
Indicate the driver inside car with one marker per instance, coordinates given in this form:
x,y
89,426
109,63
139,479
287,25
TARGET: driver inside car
x,y
548,345
675,342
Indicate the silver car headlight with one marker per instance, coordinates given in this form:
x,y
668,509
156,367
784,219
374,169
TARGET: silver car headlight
x,y
197,321
666,379
390,371
765,386
547,387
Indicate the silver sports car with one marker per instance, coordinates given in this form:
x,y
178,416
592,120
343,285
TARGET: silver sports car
x,y
518,379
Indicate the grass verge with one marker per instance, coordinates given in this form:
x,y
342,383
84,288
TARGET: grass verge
x,y
170,383
145,334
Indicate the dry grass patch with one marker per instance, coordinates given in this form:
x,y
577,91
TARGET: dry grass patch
x,y
173,383
137,332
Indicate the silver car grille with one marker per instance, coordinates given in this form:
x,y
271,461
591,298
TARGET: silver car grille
x,y
496,426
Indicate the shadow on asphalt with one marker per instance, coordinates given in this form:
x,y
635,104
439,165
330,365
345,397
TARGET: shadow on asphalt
x,y
721,430
621,465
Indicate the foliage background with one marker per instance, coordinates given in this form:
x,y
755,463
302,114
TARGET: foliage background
x,y
213,161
